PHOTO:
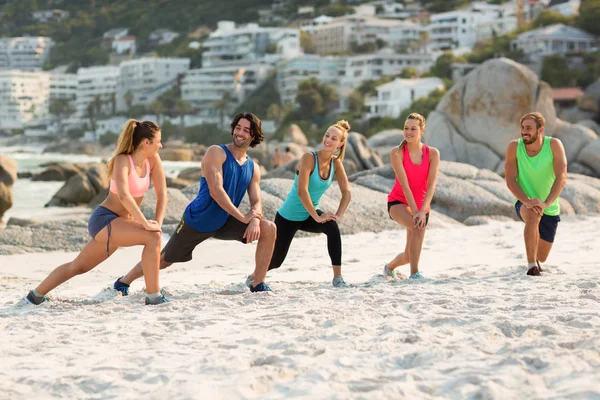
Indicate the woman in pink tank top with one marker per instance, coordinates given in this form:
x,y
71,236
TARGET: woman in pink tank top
x,y
416,167
119,221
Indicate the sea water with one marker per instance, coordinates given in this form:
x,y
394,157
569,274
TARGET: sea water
x,y
30,197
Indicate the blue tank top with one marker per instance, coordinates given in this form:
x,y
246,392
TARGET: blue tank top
x,y
203,213
292,208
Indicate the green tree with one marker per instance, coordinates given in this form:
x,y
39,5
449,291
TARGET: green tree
x,y
356,102
222,105
589,15
338,10
275,113
307,43
549,17
90,113
316,99
61,109
182,108
408,73
157,108
423,105
128,97
556,71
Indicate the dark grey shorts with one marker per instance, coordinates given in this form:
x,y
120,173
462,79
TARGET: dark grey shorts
x,y
548,224
100,218
185,239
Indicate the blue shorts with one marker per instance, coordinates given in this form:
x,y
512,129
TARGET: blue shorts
x,y
100,218
548,224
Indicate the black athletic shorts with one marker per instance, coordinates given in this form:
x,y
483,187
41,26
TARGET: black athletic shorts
x,y
185,239
548,224
393,203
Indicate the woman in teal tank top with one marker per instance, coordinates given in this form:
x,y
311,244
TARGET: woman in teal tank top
x,y
301,210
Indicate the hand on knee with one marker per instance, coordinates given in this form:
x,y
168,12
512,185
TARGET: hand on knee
x,y
154,239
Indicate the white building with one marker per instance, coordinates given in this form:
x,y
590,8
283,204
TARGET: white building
x,y
23,97
63,86
124,45
340,34
553,39
147,78
25,53
249,43
345,73
97,83
115,34
388,9
308,25
162,36
50,15
565,7
291,72
204,86
396,96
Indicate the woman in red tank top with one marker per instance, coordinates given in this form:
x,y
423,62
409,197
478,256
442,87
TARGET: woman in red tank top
x,y
416,167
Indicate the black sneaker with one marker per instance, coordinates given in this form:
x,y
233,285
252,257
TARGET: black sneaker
x,y
31,298
121,287
534,271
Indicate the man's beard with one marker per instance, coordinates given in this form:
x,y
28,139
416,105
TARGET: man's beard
x,y
531,139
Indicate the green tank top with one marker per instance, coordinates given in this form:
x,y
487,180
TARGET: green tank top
x,y
536,174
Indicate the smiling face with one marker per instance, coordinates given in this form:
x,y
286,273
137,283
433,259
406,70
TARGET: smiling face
x,y
529,131
412,131
242,134
333,139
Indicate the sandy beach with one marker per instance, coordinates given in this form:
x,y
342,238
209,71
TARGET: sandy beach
x,y
477,327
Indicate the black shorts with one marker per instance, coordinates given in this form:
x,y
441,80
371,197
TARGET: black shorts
x,y
185,239
548,224
393,203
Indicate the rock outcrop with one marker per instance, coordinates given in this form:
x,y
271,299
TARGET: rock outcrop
x,y
480,114
8,176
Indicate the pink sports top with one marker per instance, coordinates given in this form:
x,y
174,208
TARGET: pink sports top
x,y
137,185
417,178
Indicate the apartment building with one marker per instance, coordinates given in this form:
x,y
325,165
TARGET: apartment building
x,y
340,34
25,53
554,39
142,80
394,97
23,97
97,83
202,87
246,44
63,86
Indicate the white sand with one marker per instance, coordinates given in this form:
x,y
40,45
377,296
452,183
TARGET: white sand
x,y
478,327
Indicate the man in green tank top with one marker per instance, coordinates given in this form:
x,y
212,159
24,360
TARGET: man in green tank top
x,y
536,172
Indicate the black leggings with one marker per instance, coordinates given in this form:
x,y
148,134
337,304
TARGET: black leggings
x,y
286,230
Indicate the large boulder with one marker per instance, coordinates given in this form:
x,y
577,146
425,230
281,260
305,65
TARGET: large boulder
x,y
590,156
72,147
295,135
358,150
191,174
479,115
57,172
8,170
171,154
388,138
176,204
89,187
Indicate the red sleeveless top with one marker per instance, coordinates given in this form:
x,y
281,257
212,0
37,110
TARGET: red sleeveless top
x,y
417,178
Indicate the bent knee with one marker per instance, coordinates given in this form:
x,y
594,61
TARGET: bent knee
x,y
154,238
267,227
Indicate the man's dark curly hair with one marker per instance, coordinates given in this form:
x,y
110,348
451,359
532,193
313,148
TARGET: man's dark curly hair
x,y
255,127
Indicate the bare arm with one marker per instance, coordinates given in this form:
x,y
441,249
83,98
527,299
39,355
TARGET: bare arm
x,y
434,164
340,175
212,169
254,191
560,171
396,159
120,175
304,170
160,186
511,172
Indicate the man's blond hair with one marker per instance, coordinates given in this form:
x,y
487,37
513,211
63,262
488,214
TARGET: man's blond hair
x,y
539,119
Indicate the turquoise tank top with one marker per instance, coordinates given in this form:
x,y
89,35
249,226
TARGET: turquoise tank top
x,y
292,208
535,174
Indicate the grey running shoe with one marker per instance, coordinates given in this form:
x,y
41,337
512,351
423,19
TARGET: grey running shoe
x,y
31,298
158,300
249,281
338,281
390,275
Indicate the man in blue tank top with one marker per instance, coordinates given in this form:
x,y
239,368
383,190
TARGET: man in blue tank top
x,y
227,174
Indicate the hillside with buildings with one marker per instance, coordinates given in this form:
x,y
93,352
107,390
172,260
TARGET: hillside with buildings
x,y
81,68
